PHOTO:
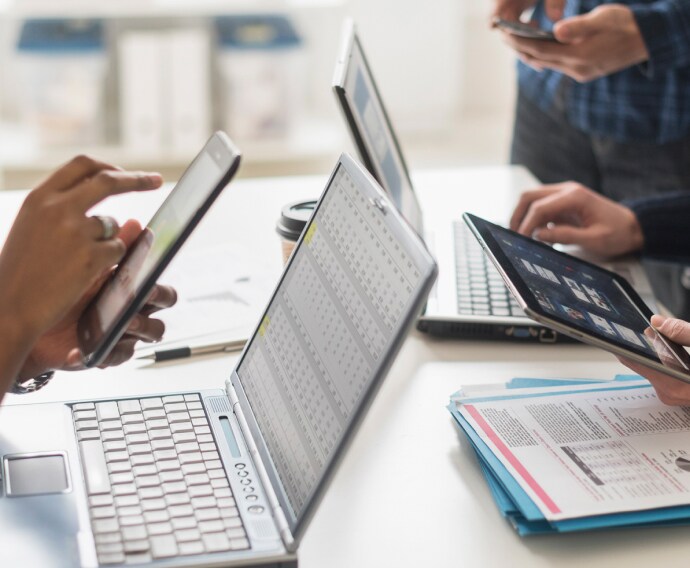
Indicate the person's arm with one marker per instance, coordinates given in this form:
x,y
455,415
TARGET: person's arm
x,y
665,223
665,29
55,253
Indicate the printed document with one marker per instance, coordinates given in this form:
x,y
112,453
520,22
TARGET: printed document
x,y
589,453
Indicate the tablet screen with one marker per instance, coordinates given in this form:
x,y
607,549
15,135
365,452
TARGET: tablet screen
x,y
580,295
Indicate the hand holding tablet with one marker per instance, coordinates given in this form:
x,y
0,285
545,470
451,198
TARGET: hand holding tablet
x,y
582,300
129,287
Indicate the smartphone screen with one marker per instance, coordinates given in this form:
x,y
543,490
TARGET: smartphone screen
x,y
121,297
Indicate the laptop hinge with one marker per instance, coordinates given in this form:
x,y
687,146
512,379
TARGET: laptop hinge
x,y
278,513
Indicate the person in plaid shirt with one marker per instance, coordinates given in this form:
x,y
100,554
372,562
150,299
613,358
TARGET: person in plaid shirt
x,y
607,106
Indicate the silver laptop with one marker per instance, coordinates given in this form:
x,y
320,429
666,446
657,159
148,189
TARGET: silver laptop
x,y
230,476
469,300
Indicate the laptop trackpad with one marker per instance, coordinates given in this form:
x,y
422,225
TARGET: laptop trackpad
x,y
36,475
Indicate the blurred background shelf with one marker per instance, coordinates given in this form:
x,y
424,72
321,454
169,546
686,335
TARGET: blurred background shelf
x,y
449,83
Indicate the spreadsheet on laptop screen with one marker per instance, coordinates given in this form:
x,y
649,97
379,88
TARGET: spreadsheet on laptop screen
x,y
325,333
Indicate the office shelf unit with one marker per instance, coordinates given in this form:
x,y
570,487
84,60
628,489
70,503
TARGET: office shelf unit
x,y
314,139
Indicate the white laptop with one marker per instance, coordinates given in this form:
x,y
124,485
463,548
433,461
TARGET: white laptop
x,y
229,476
469,300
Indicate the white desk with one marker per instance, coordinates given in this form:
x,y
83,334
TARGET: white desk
x,y
409,492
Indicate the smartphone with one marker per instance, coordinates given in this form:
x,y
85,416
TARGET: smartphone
x,y
124,294
522,29
579,299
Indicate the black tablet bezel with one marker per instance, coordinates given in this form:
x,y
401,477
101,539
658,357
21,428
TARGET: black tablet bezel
x,y
96,343
482,229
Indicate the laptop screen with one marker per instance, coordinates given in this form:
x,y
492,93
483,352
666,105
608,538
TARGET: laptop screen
x,y
372,130
347,296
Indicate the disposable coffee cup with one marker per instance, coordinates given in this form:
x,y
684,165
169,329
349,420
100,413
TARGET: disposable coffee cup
x,y
293,219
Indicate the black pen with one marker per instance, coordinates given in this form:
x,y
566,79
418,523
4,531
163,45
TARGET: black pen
x,y
182,352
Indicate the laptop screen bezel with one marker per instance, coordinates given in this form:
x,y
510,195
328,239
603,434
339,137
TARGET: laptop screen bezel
x,y
345,67
298,522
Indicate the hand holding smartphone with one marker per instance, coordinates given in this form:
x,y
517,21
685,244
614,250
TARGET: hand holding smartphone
x,y
521,29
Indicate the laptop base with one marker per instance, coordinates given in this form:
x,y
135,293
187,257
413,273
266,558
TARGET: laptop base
x,y
492,332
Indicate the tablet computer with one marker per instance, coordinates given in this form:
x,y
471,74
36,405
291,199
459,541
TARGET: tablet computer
x,y
122,296
579,299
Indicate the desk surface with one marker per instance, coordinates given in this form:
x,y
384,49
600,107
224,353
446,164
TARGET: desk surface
x,y
410,491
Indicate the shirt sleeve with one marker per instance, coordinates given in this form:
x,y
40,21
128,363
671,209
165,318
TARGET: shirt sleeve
x,y
665,29
665,223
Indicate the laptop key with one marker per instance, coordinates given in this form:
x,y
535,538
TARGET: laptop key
x,y
154,413
119,467
88,435
100,500
112,435
173,398
127,501
107,411
216,542
162,527
85,415
151,403
124,477
152,517
190,548
150,492
163,546
95,467
133,546
131,521
105,526
177,499
103,512
133,511
239,544
188,535
86,425
134,533
107,538
181,523
162,444
129,406
158,504
147,469
111,558
211,526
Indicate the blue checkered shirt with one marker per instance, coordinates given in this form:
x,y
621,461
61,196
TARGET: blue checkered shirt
x,y
644,103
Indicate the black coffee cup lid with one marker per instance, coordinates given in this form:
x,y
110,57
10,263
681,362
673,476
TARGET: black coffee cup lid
x,y
293,219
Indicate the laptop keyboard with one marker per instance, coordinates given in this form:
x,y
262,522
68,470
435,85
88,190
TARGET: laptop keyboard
x,y
154,479
481,291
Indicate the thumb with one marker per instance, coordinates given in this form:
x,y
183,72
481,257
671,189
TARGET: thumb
x,y
577,28
563,234
675,329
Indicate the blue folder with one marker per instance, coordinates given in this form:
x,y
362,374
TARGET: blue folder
x,y
516,505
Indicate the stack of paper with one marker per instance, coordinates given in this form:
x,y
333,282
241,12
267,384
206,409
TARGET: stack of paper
x,y
563,456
